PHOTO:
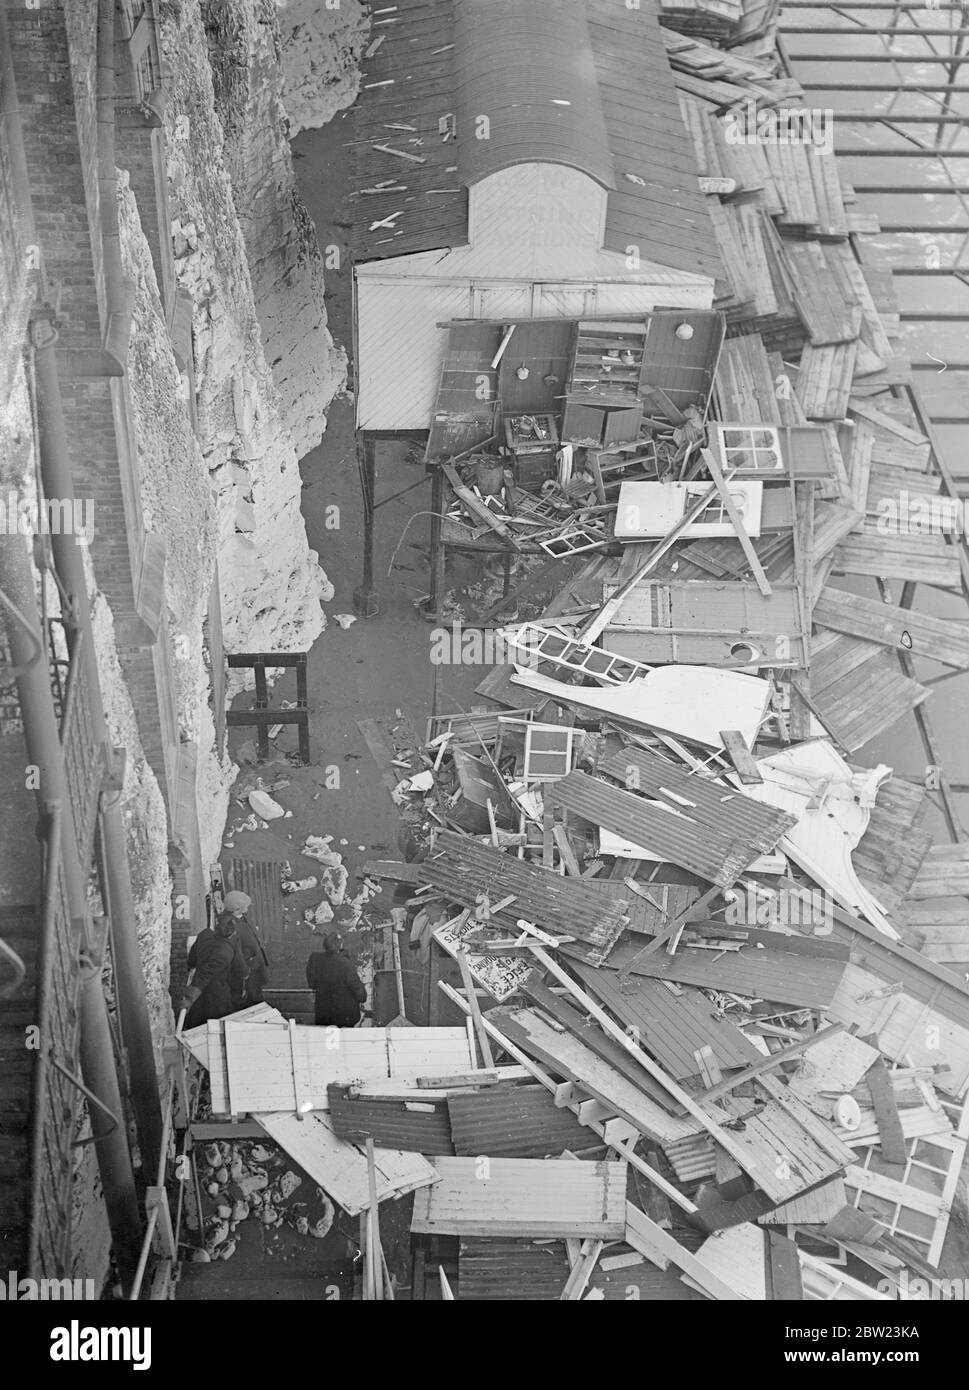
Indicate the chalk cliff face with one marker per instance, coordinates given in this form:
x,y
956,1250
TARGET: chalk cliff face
x,y
176,503
322,44
271,582
285,264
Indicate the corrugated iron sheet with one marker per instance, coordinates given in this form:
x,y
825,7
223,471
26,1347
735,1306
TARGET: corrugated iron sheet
x,y
715,835
714,805
609,61
408,81
530,69
666,216
515,1122
568,1057
670,1027
522,1197
513,1270
795,970
462,868
391,1124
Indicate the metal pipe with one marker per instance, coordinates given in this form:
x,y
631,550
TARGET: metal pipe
x,y
897,118
42,737
872,5
20,970
942,58
917,90
85,1091
139,1274
917,152
100,1072
128,966
117,291
916,188
913,33
45,954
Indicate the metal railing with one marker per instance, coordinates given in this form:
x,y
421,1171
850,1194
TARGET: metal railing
x,y
83,755
53,1098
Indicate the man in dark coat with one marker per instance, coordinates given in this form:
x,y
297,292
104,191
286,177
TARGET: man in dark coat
x,y
333,977
215,957
249,989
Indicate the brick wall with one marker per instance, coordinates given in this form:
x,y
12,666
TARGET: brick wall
x,y
54,58
61,156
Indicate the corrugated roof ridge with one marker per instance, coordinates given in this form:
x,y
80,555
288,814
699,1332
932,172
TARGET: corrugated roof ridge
x,y
529,69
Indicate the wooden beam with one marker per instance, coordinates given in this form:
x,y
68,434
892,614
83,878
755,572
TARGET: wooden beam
x,y
783,1269
741,756
768,1063
624,1150
645,1236
737,522
595,625
566,851
476,1016
478,508
721,1136
675,927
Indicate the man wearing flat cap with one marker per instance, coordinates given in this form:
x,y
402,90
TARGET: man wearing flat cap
x,y
229,962
249,989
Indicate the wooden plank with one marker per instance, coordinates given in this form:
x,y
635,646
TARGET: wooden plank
x,y
768,1064
891,1138
624,1147
902,629
578,1280
570,1057
885,422
565,850
740,755
478,508
739,1254
340,1168
470,994
783,1269
737,522
647,1238
725,1138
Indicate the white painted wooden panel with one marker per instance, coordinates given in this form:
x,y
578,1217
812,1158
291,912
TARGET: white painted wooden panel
x,y
400,349
738,1255
341,1168
690,701
266,1072
413,1052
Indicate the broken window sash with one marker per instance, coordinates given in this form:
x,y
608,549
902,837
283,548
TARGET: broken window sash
x,y
548,752
558,647
750,448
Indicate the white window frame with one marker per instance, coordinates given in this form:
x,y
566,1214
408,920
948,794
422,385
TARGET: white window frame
x,y
726,451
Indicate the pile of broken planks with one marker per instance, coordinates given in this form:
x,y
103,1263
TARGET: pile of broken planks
x,y
693,940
